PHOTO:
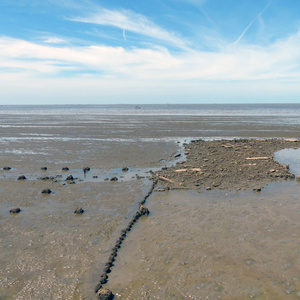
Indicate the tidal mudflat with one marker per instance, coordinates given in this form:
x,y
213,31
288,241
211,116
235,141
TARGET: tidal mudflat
x,y
209,235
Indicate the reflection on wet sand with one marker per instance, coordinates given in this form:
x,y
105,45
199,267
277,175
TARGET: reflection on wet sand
x,y
214,245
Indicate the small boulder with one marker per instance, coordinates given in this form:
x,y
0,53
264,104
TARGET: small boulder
x,y
86,169
15,210
257,189
7,168
144,210
114,179
65,169
46,191
70,177
44,168
125,169
22,177
104,294
79,211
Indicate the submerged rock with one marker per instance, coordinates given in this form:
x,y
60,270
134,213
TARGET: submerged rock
x,y
104,294
15,210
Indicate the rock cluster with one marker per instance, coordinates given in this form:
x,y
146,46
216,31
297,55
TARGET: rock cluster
x,y
114,251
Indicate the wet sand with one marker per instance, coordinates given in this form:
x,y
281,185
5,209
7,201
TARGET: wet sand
x,y
214,245
194,244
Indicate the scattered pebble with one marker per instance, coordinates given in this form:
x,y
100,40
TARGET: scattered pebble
x,y
79,211
15,210
46,191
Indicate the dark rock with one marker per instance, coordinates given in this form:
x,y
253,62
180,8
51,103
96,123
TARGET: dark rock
x,y
15,210
65,169
95,176
104,294
46,191
98,287
7,168
125,169
257,189
70,177
44,168
112,257
114,179
86,169
107,269
177,155
144,210
22,177
44,178
108,264
79,211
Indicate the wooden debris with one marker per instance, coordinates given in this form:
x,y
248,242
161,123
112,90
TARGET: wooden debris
x,y
165,179
258,158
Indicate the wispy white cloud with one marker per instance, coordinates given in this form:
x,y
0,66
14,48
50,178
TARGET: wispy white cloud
x,y
258,16
54,40
130,21
281,60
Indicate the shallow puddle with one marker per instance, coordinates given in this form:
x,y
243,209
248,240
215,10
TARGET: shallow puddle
x,y
290,157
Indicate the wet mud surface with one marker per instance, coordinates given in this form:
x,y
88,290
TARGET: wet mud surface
x,y
193,244
214,245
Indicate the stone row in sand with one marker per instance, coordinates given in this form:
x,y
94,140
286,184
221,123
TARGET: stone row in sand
x,y
101,292
228,164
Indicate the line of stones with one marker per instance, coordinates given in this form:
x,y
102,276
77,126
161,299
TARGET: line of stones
x,y
101,292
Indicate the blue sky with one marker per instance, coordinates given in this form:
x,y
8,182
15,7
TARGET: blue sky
x,y
171,51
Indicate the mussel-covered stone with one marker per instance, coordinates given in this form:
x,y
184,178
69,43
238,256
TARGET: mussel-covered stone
x,y
79,211
15,210
70,177
104,294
